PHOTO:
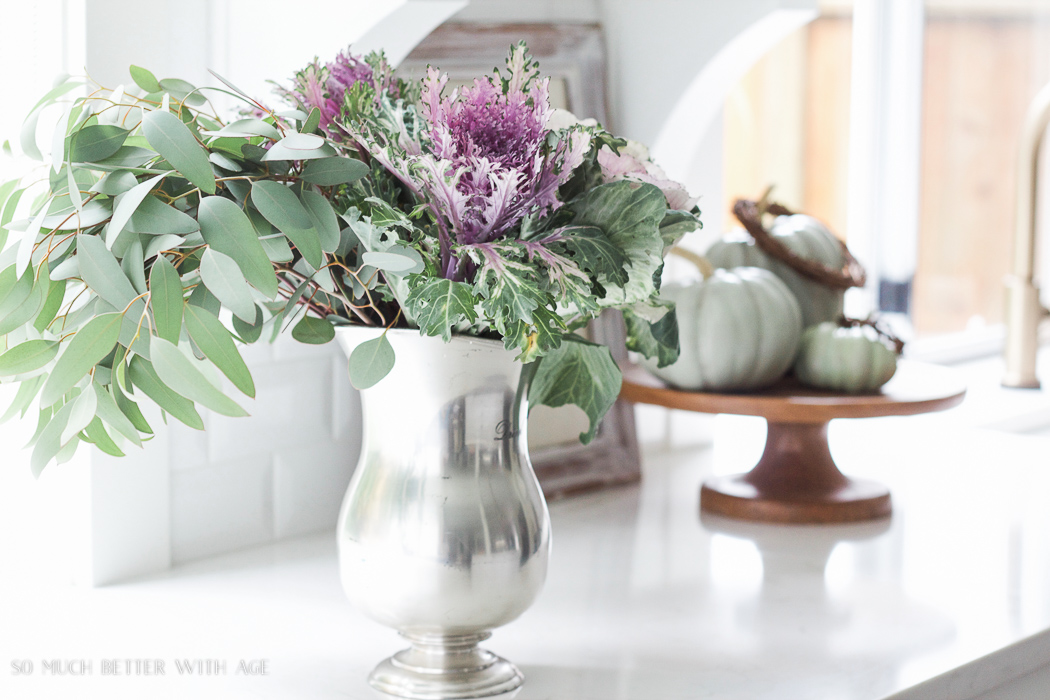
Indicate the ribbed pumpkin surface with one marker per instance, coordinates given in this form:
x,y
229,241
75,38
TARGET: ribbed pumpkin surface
x,y
805,236
739,329
844,359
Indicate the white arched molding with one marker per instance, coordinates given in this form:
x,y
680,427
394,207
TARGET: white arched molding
x,y
697,110
688,141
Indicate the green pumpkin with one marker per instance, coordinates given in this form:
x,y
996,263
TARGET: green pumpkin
x,y
854,360
805,236
738,330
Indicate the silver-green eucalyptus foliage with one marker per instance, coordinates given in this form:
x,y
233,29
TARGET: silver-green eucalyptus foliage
x,y
162,237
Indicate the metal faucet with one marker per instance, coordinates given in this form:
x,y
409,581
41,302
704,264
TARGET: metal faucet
x,y
1023,309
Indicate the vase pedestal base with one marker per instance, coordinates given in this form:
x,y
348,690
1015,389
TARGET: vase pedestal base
x,y
443,667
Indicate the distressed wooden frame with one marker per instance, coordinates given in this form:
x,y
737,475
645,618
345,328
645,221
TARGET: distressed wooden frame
x,y
573,53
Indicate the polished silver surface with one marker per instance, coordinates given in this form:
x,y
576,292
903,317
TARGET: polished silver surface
x,y
444,533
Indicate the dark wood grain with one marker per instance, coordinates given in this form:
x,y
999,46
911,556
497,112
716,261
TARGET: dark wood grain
x,y
797,480
915,388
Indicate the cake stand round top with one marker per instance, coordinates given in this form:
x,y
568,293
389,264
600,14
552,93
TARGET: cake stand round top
x,y
915,388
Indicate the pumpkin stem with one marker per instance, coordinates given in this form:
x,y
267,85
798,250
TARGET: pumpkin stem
x,y
702,263
880,330
764,201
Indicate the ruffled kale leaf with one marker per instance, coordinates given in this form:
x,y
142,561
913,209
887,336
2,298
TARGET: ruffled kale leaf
x,y
652,330
630,215
576,372
439,305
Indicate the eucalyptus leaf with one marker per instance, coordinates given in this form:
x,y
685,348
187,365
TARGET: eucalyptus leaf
x,y
177,371
249,332
16,291
96,434
328,172
134,331
279,205
44,416
177,144
233,87
396,260
144,376
277,249
129,408
281,151
27,391
370,362
127,203
27,310
224,279
313,331
73,189
312,122
128,157
110,413
92,214
166,299
116,182
144,79
203,299
56,295
301,142
25,246
89,346
253,153
82,414
101,272
229,231
97,142
182,91
217,344
67,269
324,219
58,137
133,265
167,241
6,190
249,127
155,218
224,162
49,440
27,138
28,356
9,212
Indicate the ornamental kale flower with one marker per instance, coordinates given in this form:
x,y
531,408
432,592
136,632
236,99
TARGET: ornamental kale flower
x,y
484,159
325,87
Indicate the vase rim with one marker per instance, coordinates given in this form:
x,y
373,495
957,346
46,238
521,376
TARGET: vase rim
x,y
415,332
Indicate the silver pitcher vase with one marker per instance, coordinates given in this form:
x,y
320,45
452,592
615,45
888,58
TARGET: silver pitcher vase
x,y
444,533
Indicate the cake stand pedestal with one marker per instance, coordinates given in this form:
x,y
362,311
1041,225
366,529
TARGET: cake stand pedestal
x,y
796,480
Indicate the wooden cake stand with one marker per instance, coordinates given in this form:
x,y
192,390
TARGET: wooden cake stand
x,y
796,480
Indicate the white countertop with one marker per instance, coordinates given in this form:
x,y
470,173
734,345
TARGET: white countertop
x,y
644,600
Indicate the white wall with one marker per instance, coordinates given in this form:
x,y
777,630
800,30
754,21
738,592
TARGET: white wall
x,y
282,472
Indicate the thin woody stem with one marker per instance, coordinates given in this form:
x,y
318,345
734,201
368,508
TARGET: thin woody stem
x,y
850,274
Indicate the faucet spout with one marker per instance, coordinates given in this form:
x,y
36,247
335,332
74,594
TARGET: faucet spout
x,y
1023,310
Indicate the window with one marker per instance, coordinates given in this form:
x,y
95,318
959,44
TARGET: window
x,y
934,94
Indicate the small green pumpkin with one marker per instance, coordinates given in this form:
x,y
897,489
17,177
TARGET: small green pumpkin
x,y
738,330
853,359
805,236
